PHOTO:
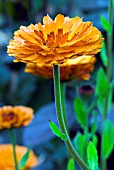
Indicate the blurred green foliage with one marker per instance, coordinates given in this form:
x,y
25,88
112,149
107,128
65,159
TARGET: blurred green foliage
x,y
81,112
103,55
71,164
92,156
108,139
24,159
79,141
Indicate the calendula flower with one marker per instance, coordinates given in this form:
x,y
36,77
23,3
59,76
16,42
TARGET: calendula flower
x,y
78,68
7,159
14,117
55,41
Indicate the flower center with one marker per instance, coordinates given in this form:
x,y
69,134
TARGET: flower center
x,y
8,117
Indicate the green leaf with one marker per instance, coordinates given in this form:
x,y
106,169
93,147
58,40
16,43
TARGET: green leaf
x,y
92,156
24,159
57,131
101,104
79,143
103,55
105,24
80,111
71,164
95,140
102,83
108,138
101,89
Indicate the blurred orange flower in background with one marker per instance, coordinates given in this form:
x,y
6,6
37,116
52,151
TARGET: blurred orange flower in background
x,y
78,68
55,41
7,159
14,117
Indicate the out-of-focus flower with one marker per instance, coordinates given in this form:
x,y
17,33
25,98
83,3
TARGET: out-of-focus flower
x,y
78,68
14,117
7,160
86,92
55,41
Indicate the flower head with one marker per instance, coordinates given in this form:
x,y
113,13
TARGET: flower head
x,y
78,68
7,160
14,117
55,41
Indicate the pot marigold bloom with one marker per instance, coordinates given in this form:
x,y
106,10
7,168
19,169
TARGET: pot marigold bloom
x,y
55,41
7,159
14,117
78,68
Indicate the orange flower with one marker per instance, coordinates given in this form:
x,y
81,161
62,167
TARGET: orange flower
x,y
7,160
55,41
14,117
78,68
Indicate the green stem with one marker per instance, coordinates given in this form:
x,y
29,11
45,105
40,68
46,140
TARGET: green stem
x,y
57,90
86,143
63,103
63,96
103,160
103,165
109,42
110,38
12,138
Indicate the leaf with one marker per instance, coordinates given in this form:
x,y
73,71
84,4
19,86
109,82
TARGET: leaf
x,y
80,111
101,104
79,143
24,159
92,156
108,138
102,83
57,131
103,55
101,89
105,24
71,164
95,140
